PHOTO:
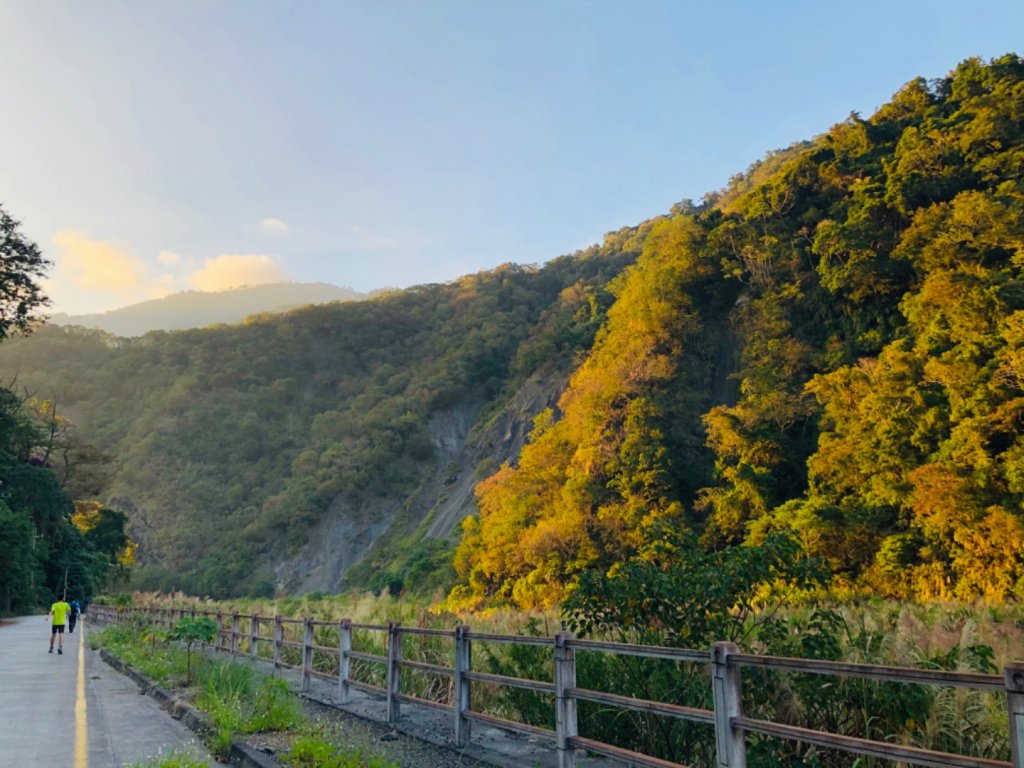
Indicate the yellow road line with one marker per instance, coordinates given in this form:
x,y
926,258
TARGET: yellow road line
x,y
81,721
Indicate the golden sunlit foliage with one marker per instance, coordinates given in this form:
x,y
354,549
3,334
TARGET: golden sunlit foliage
x,y
863,294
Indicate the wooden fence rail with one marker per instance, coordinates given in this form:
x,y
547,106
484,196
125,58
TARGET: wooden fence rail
x,y
726,662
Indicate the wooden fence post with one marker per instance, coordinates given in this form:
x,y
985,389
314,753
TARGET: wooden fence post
x,y
344,660
461,694
565,705
307,655
1014,676
726,689
234,634
394,678
278,638
220,632
254,634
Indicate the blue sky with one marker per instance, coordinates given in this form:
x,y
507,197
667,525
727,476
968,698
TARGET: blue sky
x,y
158,146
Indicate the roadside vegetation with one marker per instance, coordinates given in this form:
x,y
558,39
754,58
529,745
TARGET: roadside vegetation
x,y
237,698
316,751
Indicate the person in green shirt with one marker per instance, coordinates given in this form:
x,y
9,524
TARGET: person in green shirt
x,y
59,614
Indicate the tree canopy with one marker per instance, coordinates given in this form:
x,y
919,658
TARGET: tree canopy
x,y
22,265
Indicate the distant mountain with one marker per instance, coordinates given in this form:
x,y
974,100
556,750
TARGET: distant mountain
x,y
197,309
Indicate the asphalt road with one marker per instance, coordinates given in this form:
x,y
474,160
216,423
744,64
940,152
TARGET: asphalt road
x,y
71,710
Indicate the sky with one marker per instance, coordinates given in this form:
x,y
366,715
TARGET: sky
x,y
152,147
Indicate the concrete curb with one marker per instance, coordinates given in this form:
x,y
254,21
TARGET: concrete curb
x,y
241,755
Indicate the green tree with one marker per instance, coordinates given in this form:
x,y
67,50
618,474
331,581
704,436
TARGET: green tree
x,y
18,565
22,265
191,631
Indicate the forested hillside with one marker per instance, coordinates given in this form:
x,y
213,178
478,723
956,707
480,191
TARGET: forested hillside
x,y
238,447
831,346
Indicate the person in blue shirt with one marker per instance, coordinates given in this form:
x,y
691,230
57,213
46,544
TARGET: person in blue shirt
x,y
75,609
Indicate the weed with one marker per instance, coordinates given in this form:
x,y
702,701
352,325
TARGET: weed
x,y
312,751
240,700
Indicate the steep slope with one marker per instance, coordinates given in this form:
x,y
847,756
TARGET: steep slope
x,y
867,287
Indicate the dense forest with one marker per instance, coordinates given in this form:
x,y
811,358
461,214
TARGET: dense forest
x,y
831,347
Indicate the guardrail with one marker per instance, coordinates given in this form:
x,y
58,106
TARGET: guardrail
x,y
725,659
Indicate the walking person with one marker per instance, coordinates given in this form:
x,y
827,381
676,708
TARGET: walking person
x,y
57,616
73,612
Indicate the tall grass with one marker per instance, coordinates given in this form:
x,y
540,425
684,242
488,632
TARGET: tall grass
x,y
241,700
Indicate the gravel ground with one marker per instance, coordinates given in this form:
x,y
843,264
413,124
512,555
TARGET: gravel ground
x,y
373,739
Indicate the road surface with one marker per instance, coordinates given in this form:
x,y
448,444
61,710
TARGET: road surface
x,y
72,709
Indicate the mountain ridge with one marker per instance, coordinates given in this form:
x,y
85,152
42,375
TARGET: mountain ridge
x,y
197,309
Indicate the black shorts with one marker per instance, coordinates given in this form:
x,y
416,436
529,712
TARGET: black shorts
x,y
58,628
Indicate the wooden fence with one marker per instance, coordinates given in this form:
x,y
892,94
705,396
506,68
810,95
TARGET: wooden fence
x,y
725,660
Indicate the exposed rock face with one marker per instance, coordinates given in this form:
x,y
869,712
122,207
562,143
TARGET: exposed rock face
x,y
462,442
500,441
344,534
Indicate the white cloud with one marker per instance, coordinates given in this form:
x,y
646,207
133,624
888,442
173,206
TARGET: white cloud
x,y
96,275
275,225
99,265
230,270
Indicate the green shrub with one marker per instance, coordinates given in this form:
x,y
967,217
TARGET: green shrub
x,y
191,631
